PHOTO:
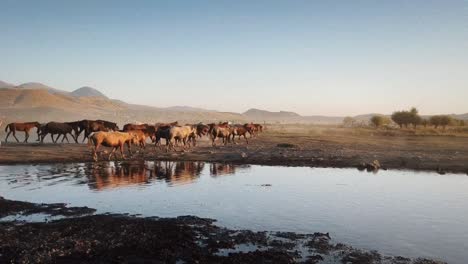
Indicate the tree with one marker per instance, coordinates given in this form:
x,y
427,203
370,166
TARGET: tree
x,y
399,118
425,122
379,121
404,118
445,120
349,121
440,120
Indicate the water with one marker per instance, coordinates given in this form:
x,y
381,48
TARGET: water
x,y
396,212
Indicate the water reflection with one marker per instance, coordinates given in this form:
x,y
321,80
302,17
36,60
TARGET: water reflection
x,y
109,175
399,212
221,169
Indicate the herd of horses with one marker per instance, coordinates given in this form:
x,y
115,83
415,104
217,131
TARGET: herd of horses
x,y
105,133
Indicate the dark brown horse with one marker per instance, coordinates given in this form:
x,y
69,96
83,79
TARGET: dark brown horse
x,y
162,132
129,127
78,127
53,128
96,126
109,125
25,127
239,130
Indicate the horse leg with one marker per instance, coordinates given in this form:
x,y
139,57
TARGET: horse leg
x,y
245,139
65,137
76,136
8,134
129,148
26,136
14,135
86,135
121,151
52,136
112,153
95,157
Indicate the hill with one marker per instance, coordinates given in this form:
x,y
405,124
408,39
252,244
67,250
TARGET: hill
x,y
5,85
87,92
36,101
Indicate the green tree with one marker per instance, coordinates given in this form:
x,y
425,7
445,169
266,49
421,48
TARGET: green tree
x,y
405,118
349,121
445,120
440,120
379,120
425,122
399,118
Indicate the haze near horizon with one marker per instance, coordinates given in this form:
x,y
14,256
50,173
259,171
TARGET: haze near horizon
x,y
336,58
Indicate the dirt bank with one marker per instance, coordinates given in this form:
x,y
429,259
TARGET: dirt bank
x,y
185,239
324,148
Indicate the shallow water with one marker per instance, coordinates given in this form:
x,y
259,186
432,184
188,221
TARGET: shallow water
x,y
413,214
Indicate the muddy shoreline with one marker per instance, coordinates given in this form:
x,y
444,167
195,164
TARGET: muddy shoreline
x,y
85,236
418,154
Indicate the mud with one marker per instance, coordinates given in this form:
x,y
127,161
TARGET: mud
x,y
110,238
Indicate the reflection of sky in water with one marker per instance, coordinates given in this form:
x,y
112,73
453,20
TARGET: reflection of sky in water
x,y
396,212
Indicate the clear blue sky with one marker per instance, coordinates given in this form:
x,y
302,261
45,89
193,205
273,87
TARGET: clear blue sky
x,y
313,57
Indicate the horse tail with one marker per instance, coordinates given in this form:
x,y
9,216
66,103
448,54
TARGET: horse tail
x,y
7,127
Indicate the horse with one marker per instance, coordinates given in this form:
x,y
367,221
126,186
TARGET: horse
x,y
25,127
179,133
219,131
239,130
53,128
112,139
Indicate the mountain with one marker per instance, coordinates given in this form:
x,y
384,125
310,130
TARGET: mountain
x,y
6,85
39,86
36,101
187,109
462,116
258,114
86,91
39,102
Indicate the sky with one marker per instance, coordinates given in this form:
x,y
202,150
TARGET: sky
x,y
312,57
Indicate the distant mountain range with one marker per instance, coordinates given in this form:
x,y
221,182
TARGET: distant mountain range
x,y
36,101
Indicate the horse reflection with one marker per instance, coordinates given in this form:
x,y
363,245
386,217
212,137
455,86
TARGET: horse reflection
x,y
221,169
114,175
177,173
106,175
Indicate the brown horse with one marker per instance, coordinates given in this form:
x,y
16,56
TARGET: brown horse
x,y
96,126
114,140
61,129
239,130
251,128
25,127
219,131
129,127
